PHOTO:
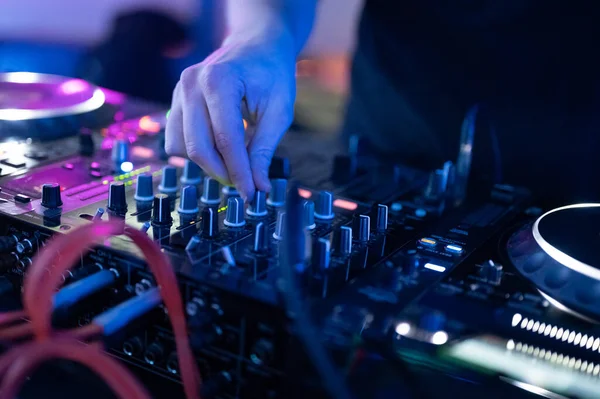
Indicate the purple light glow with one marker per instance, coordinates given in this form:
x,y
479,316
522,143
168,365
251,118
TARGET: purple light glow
x,y
113,97
73,86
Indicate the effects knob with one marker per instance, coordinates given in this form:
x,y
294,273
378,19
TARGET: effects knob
x,y
120,153
51,196
321,254
324,206
261,238
188,201
308,215
280,226
278,193
117,202
258,206
211,193
161,211
209,226
144,192
168,183
342,240
382,218
235,212
192,174
362,228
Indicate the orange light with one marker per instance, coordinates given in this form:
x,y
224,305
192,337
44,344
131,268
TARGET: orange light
x,y
245,124
147,124
304,193
142,152
177,161
344,204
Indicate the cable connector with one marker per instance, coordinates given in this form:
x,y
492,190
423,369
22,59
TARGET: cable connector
x,y
118,317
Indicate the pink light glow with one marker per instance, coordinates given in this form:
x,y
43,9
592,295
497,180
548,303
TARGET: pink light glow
x,y
177,161
74,86
348,205
113,97
304,193
142,152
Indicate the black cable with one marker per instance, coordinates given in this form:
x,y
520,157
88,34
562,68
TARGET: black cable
x,y
293,259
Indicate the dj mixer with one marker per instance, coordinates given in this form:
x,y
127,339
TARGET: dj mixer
x,y
412,284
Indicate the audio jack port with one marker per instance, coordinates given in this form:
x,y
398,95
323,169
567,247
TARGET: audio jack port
x,y
173,363
132,347
154,354
262,352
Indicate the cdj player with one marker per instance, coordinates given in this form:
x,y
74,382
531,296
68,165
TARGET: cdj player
x,y
351,278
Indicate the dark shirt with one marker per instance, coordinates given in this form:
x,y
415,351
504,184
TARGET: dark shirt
x,y
531,65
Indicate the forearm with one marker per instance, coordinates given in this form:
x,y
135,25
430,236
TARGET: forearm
x,y
293,17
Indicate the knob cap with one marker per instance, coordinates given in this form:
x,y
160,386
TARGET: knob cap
x,y
324,207
144,192
117,202
362,228
211,193
279,168
188,201
382,218
261,238
342,239
168,183
230,192
120,153
51,195
492,272
86,144
258,206
235,212
321,254
344,169
278,193
192,174
209,226
280,226
309,215
161,211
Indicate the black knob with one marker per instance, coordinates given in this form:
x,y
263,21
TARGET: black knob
x,y
120,153
168,183
279,168
309,215
211,194
261,238
51,196
192,174
344,169
280,226
86,144
117,202
321,253
144,192
209,224
188,201
324,206
342,240
362,228
278,193
235,212
258,206
382,218
161,211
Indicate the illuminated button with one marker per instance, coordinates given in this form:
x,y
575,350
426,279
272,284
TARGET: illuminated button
x,y
396,206
420,213
428,242
454,249
22,198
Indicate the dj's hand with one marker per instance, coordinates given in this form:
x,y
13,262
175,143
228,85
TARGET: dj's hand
x,y
250,76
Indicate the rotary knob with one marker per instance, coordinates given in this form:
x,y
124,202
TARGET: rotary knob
x,y
324,206
258,206
235,212
309,215
362,228
161,211
209,226
120,153
278,193
382,218
261,238
51,196
321,254
342,239
211,194
280,226
192,174
117,202
144,192
188,202
168,183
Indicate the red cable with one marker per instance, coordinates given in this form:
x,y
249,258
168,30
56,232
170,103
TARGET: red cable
x,y
11,317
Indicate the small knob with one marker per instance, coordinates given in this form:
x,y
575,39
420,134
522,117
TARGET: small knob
x,y
278,193
342,239
309,215
492,272
51,196
120,153
258,206
117,202
280,226
321,253
230,192
261,238
168,183
161,211
86,144
188,201
344,169
192,174
144,192
211,193
279,168
382,218
362,228
324,207
235,212
209,226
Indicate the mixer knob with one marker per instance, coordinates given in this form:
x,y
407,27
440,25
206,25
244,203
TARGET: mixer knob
x,y
362,228
491,272
192,174
168,183
279,168
188,201
278,193
324,208
382,218
211,192
161,212
86,144
120,153
117,202
144,192
235,212
309,215
261,238
209,226
342,240
321,254
280,226
344,169
258,206
230,192
51,196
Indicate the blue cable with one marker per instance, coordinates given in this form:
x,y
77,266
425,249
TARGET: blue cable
x,y
118,317
83,288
